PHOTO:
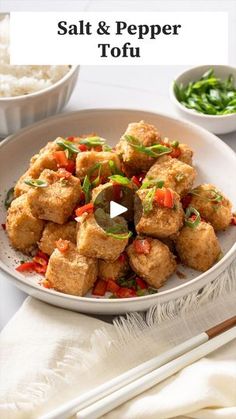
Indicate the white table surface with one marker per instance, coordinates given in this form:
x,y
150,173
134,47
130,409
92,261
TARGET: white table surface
x,y
135,87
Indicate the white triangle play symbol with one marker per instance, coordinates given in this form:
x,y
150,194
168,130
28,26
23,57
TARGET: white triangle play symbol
x,y
116,209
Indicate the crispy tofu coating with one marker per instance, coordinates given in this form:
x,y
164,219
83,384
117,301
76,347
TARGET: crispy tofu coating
x,y
57,200
113,270
23,229
135,161
156,266
198,247
53,232
186,155
40,162
160,222
176,175
71,272
213,206
92,240
87,160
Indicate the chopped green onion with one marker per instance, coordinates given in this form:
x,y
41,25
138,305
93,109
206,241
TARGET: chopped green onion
x,y
92,141
174,144
121,236
122,180
217,197
9,198
114,169
68,146
97,181
155,151
127,282
146,291
106,147
86,187
194,222
152,182
148,200
36,183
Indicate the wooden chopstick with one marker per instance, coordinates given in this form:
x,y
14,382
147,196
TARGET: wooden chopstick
x,y
146,382
119,382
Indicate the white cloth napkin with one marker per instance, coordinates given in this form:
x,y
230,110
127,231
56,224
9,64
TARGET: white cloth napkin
x,y
49,355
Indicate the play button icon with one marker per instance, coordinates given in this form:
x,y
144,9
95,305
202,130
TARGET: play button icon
x,y
116,209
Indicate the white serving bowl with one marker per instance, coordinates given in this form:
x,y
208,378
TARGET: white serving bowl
x,y
19,111
218,124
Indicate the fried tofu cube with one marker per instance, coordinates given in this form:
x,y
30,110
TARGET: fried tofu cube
x,y
88,159
113,270
57,200
133,160
176,175
186,155
93,241
70,272
198,247
160,222
156,266
23,229
53,232
213,206
39,162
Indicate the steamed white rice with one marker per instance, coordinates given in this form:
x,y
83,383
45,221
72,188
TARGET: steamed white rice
x,y
22,80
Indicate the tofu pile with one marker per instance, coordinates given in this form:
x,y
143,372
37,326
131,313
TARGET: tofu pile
x,y
45,201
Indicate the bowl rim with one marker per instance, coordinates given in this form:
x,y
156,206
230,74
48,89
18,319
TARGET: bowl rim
x,y
193,112
217,268
73,69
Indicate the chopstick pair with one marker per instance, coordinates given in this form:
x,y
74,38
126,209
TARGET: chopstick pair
x,y
124,387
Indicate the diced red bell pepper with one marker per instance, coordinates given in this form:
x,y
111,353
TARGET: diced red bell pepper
x,y
159,197
85,208
233,220
122,258
42,255
142,246
62,245
112,286
135,180
186,200
60,157
141,283
26,267
83,147
126,293
175,152
70,167
140,177
100,288
168,199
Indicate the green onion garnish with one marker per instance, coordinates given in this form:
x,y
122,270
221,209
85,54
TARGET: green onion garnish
x,y
121,236
152,182
114,169
92,141
9,198
148,200
208,95
36,183
192,223
86,187
122,180
68,146
96,181
174,144
216,196
155,151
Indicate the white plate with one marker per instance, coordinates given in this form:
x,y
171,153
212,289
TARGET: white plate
x,y
215,163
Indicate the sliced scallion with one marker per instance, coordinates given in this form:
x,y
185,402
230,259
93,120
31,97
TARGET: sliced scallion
x,y
194,221
36,183
9,198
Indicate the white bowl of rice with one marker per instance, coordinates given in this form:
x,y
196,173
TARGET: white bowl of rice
x,y
30,93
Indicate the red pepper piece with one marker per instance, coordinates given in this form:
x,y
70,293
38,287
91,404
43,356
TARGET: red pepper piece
x,y
112,286
85,208
126,293
141,283
142,246
26,267
100,288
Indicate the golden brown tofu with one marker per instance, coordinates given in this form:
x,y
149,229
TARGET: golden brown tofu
x,y
213,206
57,200
92,240
186,155
71,272
198,247
175,174
23,229
156,266
160,222
43,161
87,160
113,270
53,232
133,160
